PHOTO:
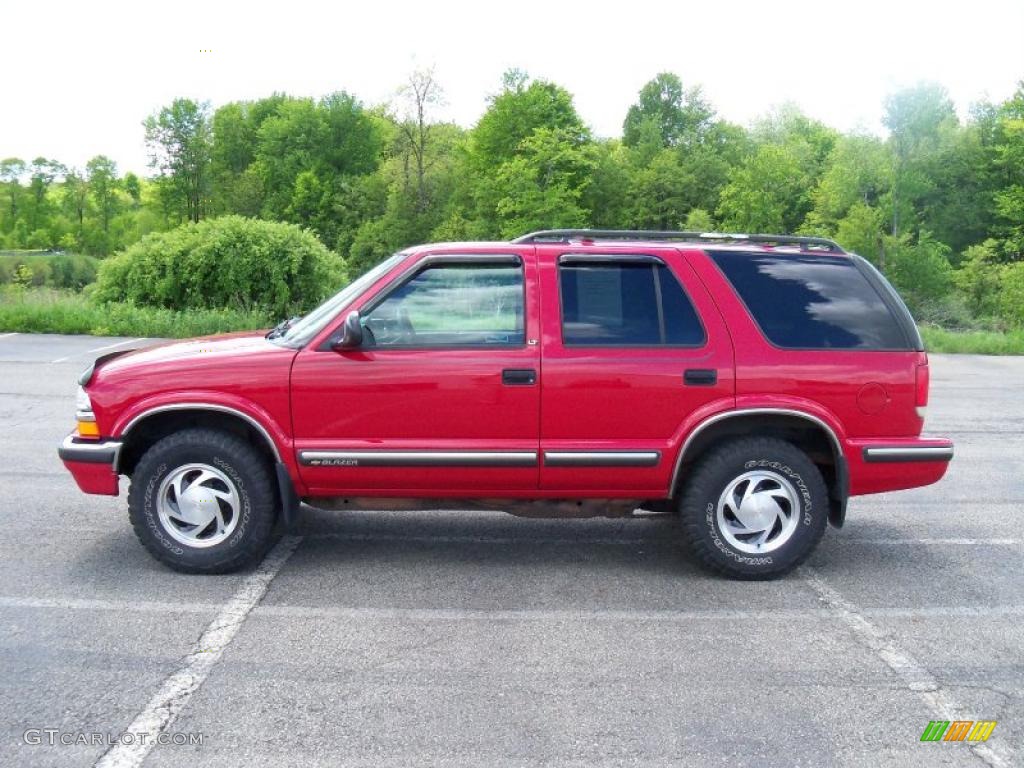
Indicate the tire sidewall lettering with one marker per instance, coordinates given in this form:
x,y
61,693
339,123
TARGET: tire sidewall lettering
x,y
724,548
805,494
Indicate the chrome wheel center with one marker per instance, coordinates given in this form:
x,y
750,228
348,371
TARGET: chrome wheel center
x,y
198,505
758,511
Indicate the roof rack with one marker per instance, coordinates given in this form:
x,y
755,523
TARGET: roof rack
x,y
567,235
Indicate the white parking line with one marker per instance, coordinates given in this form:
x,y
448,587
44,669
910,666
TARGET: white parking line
x,y
942,542
914,674
366,613
98,349
588,615
7,335
627,541
177,689
79,604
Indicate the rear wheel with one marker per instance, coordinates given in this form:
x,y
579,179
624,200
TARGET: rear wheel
x,y
754,508
203,501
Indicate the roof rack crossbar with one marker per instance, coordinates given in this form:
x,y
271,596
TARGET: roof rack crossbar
x,y
567,235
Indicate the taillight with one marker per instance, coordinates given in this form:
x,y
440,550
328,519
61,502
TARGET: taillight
x,y
921,397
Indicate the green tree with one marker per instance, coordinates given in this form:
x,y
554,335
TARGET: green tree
x,y
419,95
659,193
915,118
861,231
334,141
920,270
179,142
237,188
542,186
76,203
956,206
1009,164
101,173
979,277
607,197
43,174
699,220
858,171
671,114
764,194
133,187
11,171
1011,294
522,107
528,122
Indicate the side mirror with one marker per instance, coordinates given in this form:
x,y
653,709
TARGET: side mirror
x,y
351,333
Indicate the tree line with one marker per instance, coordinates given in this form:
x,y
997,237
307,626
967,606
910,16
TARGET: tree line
x,y
937,204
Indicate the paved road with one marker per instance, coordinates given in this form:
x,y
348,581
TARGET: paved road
x,y
486,640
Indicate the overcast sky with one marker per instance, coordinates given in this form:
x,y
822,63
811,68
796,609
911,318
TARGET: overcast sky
x,y
79,77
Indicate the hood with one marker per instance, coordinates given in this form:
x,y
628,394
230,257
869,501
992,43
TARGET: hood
x,y
205,352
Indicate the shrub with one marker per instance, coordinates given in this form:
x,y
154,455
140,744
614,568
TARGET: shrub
x,y
23,275
66,271
921,271
1011,297
229,262
978,278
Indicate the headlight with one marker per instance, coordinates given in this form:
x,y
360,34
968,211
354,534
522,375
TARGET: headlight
x,y
86,419
83,404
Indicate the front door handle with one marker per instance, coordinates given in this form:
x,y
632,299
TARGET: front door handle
x,y
700,377
519,376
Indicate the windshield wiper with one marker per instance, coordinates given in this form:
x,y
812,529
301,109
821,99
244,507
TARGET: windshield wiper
x,y
282,328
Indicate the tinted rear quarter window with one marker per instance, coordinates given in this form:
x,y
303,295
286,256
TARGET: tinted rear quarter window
x,y
803,301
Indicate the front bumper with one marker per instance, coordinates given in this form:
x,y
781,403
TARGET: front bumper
x,y
92,463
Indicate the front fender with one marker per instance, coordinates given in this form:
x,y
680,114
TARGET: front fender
x,y
254,414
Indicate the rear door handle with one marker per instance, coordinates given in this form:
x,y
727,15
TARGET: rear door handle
x,y
700,377
519,376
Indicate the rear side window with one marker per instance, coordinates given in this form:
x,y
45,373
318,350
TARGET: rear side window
x,y
811,302
626,303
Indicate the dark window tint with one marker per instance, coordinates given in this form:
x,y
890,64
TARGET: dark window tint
x,y
626,304
811,302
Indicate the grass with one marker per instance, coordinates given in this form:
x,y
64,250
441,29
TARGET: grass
x,y
973,342
49,311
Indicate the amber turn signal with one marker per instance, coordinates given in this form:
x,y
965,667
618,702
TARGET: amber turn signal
x,y
88,429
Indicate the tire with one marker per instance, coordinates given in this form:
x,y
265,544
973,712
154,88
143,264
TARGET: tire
x,y
228,502
754,508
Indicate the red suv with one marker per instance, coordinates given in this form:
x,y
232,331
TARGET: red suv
x,y
749,383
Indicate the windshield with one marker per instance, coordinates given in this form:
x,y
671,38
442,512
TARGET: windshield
x,y
303,330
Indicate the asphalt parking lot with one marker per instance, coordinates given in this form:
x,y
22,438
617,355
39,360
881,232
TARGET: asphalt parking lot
x,y
479,639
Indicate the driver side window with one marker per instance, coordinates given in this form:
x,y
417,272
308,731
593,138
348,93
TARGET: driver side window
x,y
451,305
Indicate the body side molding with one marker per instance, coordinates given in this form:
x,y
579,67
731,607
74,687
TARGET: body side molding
x,y
416,458
602,458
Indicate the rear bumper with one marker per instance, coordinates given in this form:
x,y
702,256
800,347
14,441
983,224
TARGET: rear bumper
x,y
879,465
92,463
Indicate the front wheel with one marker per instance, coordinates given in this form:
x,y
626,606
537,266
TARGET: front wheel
x,y
202,501
754,508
